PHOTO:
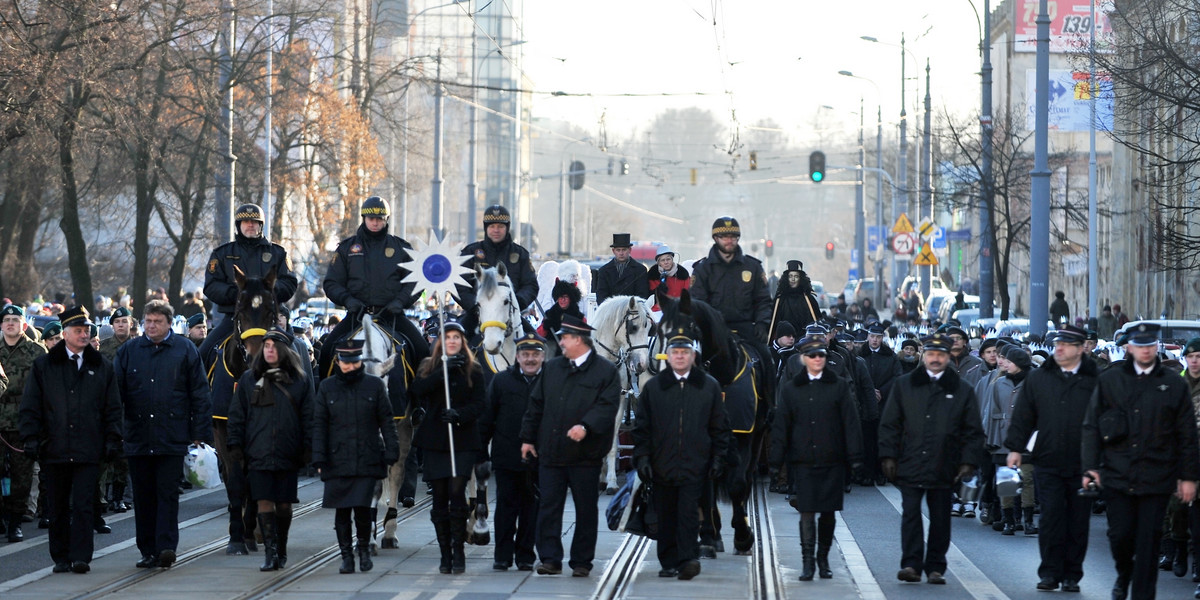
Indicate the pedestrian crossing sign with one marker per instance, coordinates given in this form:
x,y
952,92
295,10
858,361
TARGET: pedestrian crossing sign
x,y
903,225
926,257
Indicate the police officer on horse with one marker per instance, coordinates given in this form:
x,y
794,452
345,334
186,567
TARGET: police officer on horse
x,y
364,276
497,246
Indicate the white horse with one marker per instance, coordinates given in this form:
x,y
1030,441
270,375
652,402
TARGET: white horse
x,y
499,317
622,334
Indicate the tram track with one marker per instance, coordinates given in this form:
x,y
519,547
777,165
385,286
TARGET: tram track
x,y
622,569
766,580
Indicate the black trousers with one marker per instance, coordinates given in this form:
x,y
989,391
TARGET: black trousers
x,y
516,516
1134,531
1063,536
70,495
870,433
584,483
156,502
678,507
916,553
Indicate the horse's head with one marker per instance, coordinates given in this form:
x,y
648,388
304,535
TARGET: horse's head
x,y
623,327
499,312
697,319
255,308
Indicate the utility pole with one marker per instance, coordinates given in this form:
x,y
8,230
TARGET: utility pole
x,y
473,145
881,242
436,188
927,177
223,229
1093,200
860,217
1039,225
987,278
266,201
903,165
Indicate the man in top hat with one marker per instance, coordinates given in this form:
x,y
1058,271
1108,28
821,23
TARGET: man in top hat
x,y
795,300
253,254
568,427
197,328
70,420
495,249
930,438
667,272
679,442
1053,402
17,354
621,276
1139,448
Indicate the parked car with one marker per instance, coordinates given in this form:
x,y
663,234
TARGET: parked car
x,y
822,297
864,288
321,306
936,287
1174,333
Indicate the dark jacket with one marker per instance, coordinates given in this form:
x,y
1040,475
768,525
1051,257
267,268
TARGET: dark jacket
x,y
1060,311
797,306
1161,443
675,284
565,396
816,423
864,391
254,257
681,427
272,421
884,367
165,395
73,414
738,288
930,429
430,394
505,402
353,434
515,258
1054,406
365,267
631,282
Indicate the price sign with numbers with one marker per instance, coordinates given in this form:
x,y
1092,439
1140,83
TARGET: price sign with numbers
x,y
1070,26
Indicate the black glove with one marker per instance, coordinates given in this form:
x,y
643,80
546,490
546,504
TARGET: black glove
x,y
717,471
645,473
889,468
354,305
417,416
483,470
965,472
31,450
451,416
235,454
457,361
396,307
763,331
112,453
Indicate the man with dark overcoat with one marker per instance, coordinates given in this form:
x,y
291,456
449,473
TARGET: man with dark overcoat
x,y
621,276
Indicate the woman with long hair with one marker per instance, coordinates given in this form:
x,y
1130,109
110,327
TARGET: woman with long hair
x,y
433,436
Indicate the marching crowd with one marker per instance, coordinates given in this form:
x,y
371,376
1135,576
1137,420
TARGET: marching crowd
x,y
854,400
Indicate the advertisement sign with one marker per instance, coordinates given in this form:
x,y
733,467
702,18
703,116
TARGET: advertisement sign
x,y
1070,25
1070,106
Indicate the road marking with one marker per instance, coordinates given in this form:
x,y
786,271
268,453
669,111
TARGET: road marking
x,y
974,581
864,580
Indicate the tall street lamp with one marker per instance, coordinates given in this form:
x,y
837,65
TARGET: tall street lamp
x,y
878,182
472,181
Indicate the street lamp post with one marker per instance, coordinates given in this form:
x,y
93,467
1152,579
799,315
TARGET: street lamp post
x,y
473,178
859,208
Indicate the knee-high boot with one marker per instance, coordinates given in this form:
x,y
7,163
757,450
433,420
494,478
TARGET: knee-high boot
x,y
266,523
283,524
363,525
824,541
345,545
442,527
458,536
808,543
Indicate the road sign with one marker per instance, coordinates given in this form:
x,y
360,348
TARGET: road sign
x,y
904,243
926,228
874,236
903,225
938,239
959,235
854,259
926,257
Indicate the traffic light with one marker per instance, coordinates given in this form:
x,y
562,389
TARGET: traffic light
x,y
575,175
624,167
753,160
770,248
816,170
829,250
611,166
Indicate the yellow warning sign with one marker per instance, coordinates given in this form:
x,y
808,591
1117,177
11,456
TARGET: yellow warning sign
x,y
903,225
926,257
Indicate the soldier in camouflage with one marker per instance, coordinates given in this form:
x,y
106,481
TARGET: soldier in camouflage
x,y
121,322
115,474
17,354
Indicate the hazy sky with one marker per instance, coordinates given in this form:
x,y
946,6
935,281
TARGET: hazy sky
x,y
758,59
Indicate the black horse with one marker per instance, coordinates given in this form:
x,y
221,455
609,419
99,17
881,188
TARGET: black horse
x,y
254,313
738,369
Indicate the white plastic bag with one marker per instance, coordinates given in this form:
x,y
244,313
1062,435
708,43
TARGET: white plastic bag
x,y
200,466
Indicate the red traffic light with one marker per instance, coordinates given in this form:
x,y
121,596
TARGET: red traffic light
x,y
829,246
770,247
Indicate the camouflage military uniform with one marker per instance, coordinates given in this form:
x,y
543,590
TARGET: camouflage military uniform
x,y
108,348
115,473
17,361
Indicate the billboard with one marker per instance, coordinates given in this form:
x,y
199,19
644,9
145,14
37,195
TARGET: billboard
x,y
1070,106
1070,25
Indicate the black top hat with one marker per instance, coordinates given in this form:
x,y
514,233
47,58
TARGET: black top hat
x,y
350,351
621,240
574,325
680,339
939,342
76,315
813,345
1144,334
531,341
1070,334
794,265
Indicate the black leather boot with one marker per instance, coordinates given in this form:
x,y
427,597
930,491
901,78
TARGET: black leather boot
x,y
442,528
283,524
458,536
345,546
1181,556
1009,522
808,544
1031,527
363,526
237,532
824,541
266,523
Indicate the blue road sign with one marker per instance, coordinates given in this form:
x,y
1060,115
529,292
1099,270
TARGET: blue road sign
x,y
938,240
875,236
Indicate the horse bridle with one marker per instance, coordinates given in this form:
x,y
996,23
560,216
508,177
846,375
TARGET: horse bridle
x,y
239,342
623,353
507,326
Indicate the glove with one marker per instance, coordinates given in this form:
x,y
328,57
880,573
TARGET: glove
x,y
717,470
965,472
236,455
31,450
396,307
889,468
451,416
645,473
418,416
763,331
112,453
354,305
457,361
483,470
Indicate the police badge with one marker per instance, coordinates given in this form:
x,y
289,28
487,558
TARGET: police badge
x,y
266,257
480,254
514,257
212,266
389,252
747,276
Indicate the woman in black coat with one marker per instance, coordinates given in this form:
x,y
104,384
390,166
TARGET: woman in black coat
x,y
449,511
270,430
353,442
819,435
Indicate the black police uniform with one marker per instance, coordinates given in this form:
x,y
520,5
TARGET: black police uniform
x,y
484,254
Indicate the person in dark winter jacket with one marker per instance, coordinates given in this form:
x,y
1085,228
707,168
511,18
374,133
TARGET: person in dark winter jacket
x,y
783,347
667,272
997,409
679,440
795,300
930,436
566,302
819,438
167,406
1139,447
516,480
884,368
270,431
1053,403
353,443
1060,311
621,276
497,246
448,437
568,427
909,356
70,419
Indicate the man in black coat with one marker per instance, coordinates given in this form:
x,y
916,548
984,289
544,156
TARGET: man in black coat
x,y
568,427
930,437
1053,402
734,283
679,439
884,369
1139,447
516,484
70,419
621,276
496,247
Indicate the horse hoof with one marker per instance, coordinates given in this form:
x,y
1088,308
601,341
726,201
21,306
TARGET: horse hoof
x,y
481,539
236,549
743,553
374,549
610,490
389,543
743,544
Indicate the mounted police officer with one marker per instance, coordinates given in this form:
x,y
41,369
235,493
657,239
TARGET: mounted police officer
x,y
255,256
364,276
497,246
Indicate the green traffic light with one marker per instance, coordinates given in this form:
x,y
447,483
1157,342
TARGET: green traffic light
x,y
817,176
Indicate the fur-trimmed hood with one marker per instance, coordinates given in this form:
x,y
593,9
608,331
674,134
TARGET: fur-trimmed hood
x,y
568,289
667,378
655,274
827,377
884,350
948,381
91,356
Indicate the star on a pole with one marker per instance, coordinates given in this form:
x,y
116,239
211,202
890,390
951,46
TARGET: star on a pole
x,y
436,268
